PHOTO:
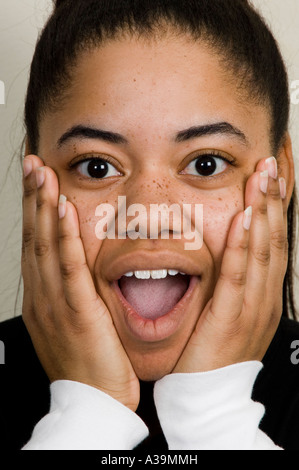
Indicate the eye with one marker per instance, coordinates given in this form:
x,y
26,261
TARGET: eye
x,y
207,165
97,168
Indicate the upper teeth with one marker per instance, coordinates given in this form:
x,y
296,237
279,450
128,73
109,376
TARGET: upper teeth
x,y
154,274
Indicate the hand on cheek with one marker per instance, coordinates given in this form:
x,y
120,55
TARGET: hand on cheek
x,y
69,324
241,318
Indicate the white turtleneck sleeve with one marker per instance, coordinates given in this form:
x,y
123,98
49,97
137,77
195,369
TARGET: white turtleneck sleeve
x,y
212,410
84,418
206,410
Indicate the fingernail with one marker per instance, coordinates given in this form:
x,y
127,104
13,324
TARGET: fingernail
x,y
247,218
27,167
264,179
40,176
272,167
283,188
62,206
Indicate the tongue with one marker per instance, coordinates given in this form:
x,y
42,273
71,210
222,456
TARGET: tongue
x,y
153,298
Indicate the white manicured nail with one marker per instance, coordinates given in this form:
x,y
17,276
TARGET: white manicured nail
x,y
27,167
247,218
272,167
283,188
40,176
264,179
62,206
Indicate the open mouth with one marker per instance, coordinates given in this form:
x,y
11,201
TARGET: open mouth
x,y
154,293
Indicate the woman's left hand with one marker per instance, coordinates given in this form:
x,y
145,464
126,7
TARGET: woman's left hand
x,y
241,318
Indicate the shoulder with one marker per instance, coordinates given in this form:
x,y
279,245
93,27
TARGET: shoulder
x,y
277,386
289,327
11,329
283,345
16,342
24,386
279,360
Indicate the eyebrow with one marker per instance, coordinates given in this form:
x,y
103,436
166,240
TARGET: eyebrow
x,y
211,129
85,132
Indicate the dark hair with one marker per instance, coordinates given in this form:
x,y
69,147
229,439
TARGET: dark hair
x,y
232,28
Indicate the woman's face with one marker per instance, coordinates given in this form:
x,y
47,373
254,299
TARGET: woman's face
x,y
174,128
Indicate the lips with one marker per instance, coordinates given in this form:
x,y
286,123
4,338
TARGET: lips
x,y
148,308
153,291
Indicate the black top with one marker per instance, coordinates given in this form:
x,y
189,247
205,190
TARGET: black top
x,y
25,398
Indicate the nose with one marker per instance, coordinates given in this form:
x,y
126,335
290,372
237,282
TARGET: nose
x,y
153,214
152,203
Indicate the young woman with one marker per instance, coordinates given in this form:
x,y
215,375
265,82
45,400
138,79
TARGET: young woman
x,y
145,343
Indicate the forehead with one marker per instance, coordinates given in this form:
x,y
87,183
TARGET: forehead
x,y
133,85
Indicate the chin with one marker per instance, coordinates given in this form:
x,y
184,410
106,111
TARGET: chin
x,y
152,366
152,374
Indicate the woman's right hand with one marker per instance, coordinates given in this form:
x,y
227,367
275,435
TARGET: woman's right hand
x,y
69,324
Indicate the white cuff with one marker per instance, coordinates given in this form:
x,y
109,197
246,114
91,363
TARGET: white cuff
x,y
212,410
84,418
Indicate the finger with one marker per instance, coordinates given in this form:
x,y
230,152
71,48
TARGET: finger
x,y
259,244
29,267
228,296
46,232
78,285
30,272
271,165
277,209
277,217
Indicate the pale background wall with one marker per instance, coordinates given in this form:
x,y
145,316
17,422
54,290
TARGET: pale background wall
x,y
20,21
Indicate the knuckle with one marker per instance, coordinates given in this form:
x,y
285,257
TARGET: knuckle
x,y
28,191
237,279
279,240
28,236
68,270
262,210
65,237
274,193
262,255
71,270
40,203
243,245
41,247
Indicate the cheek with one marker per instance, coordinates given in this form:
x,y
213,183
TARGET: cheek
x,y
217,220
87,222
